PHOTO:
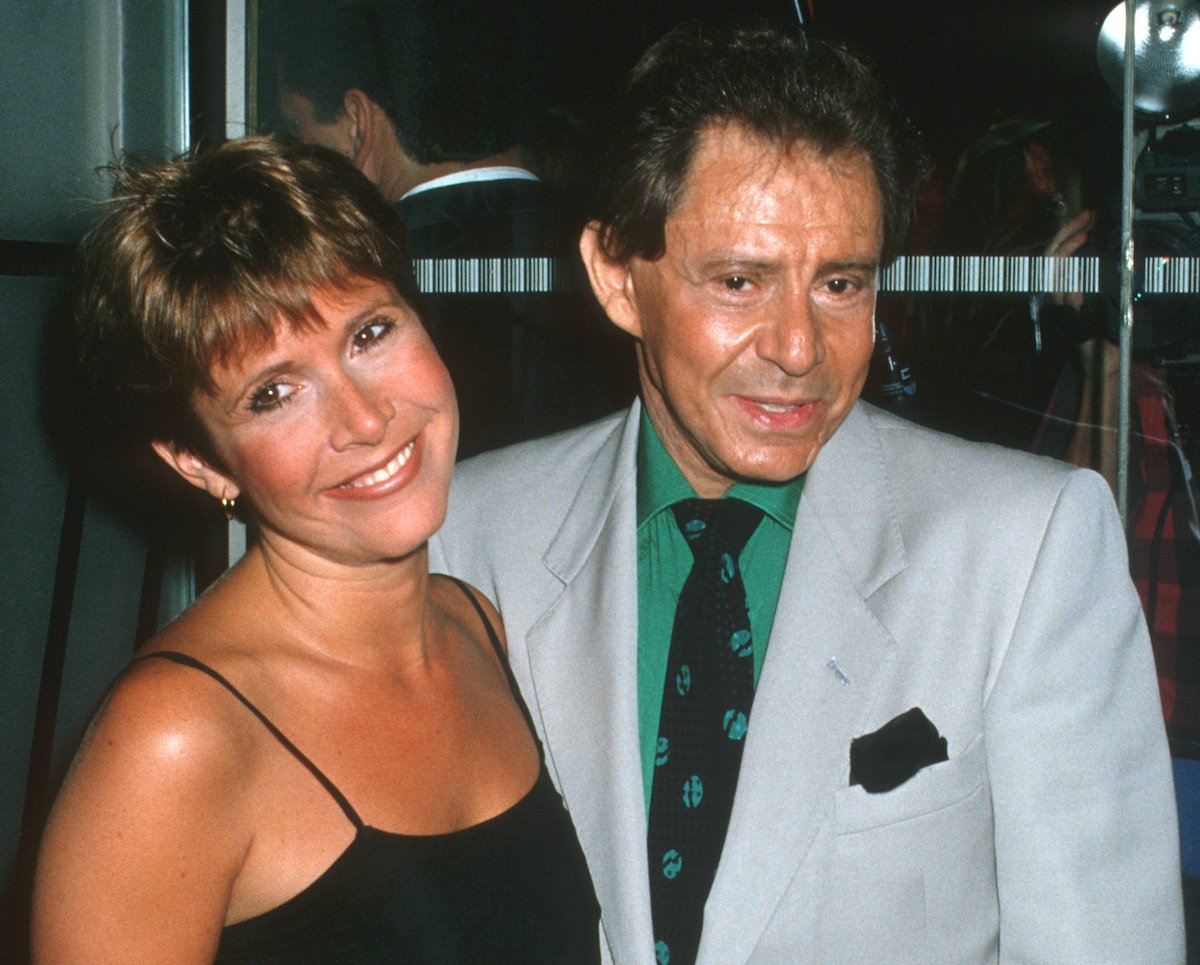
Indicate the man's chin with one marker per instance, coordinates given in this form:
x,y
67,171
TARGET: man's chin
x,y
760,468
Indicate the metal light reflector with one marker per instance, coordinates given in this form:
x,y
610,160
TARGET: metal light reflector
x,y
1166,55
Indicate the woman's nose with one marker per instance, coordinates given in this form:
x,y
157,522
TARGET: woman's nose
x,y
359,414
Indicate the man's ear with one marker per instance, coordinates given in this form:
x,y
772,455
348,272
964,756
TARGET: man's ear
x,y
357,109
366,123
611,281
196,470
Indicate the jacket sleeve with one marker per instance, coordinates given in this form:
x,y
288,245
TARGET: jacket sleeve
x,y
1087,857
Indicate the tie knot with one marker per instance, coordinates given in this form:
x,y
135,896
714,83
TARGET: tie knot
x,y
716,525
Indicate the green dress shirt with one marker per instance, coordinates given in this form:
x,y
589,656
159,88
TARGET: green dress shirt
x,y
664,561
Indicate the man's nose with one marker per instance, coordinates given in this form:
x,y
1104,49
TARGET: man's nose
x,y
359,413
790,335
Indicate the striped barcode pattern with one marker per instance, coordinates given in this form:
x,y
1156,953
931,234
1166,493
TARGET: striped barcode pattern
x,y
1171,276
1000,274
491,276
963,274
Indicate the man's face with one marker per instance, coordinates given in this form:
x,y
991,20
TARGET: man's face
x,y
756,325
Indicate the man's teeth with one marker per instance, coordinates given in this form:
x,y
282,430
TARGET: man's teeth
x,y
772,407
387,472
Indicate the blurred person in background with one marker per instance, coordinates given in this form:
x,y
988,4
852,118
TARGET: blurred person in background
x,y
436,102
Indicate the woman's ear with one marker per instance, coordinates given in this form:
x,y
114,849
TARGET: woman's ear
x,y
196,470
611,281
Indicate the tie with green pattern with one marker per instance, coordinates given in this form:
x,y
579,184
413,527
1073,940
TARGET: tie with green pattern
x,y
707,695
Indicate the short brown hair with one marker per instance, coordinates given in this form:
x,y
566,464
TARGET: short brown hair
x,y
198,256
784,87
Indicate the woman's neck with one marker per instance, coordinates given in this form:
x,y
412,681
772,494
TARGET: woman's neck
x,y
354,613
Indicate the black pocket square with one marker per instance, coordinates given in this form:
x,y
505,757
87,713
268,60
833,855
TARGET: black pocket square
x,y
885,759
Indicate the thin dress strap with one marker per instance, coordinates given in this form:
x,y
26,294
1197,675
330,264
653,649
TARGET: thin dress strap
x,y
187,661
502,657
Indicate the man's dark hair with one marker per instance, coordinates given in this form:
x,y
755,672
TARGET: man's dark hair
x,y
786,88
323,48
450,74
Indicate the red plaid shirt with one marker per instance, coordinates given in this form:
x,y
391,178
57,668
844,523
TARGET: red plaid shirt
x,y
1164,556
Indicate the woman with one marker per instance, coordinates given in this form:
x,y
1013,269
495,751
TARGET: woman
x,y
323,759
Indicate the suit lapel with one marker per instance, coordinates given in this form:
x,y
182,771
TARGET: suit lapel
x,y
583,664
826,658
582,658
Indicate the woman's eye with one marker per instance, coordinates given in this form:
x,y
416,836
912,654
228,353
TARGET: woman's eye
x,y
270,396
371,334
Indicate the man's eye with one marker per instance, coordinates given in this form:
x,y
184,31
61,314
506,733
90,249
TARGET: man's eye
x,y
370,335
736,283
270,396
840,286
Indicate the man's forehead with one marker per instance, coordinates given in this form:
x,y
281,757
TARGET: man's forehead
x,y
732,138
742,184
729,154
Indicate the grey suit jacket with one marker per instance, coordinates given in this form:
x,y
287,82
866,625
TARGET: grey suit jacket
x,y
987,587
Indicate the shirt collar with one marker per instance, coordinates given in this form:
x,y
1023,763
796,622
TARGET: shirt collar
x,y
660,484
470,175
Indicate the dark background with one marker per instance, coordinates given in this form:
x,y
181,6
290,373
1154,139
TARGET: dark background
x,y
955,67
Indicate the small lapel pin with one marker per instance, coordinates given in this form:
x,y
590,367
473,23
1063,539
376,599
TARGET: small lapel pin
x,y
838,672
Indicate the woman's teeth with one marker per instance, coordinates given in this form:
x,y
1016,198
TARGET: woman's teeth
x,y
387,472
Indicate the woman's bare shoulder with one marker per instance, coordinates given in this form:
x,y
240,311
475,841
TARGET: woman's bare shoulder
x,y
174,714
167,742
151,823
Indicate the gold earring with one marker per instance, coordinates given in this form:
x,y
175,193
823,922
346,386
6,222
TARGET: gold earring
x,y
228,504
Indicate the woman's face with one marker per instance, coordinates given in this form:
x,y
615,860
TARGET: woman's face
x,y
342,438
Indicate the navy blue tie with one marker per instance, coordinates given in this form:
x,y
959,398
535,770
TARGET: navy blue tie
x,y
707,695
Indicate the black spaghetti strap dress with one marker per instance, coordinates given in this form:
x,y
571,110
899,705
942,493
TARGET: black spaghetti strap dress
x,y
512,889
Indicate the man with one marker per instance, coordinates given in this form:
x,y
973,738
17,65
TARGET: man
x,y
954,751
435,113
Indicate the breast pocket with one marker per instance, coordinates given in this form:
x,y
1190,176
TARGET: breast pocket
x,y
930,789
914,868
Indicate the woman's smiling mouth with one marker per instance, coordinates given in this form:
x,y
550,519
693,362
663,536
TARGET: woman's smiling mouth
x,y
394,465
